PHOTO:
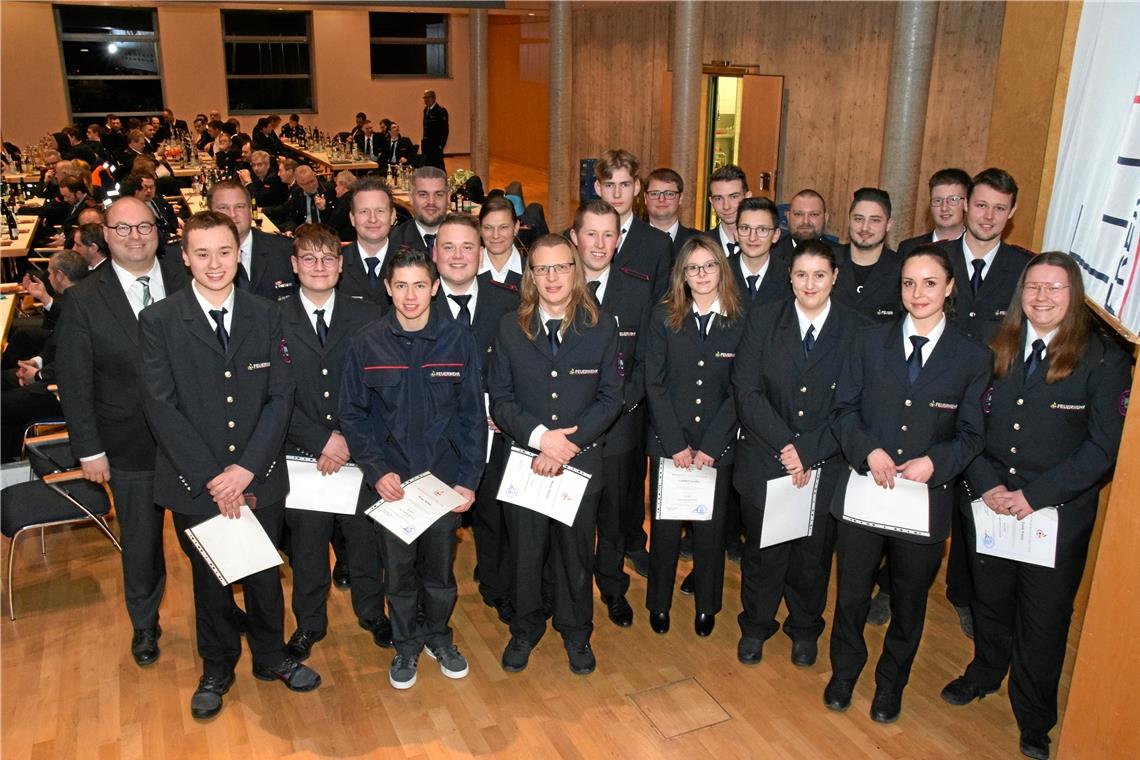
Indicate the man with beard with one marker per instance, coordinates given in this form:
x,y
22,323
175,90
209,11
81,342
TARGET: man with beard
x,y
430,196
948,191
807,218
868,270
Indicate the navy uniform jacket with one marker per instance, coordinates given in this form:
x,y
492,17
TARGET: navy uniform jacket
x,y
530,386
317,369
783,397
513,280
939,417
881,296
495,300
776,287
98,370
406,233
436,128
981,317
1055,441
628,300
268,192
910,244
354,278
270,258
687,385
413,401
649,251
683,235
210,409
298,203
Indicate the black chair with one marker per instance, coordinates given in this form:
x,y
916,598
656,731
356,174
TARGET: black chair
x,y
58,496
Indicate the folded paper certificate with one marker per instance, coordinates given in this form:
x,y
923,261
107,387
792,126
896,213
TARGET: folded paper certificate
x,y
685,493
1032,540
903,509
234,548
426,499
789,512
556,497
312,491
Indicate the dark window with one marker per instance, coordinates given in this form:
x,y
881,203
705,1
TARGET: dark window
x,y
408,44
268,61
111,60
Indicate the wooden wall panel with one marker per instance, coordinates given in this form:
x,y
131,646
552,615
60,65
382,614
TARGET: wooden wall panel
x,y
519,90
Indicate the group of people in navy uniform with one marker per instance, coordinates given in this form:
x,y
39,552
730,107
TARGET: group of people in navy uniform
x,y
759,350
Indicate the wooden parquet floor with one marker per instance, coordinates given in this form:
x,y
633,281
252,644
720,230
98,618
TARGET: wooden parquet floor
x,y
71,689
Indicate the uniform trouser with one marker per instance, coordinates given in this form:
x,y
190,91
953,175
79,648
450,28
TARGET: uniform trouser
x,y
140,535
633,516
1021,624
489,528
420,574
609,559
913,567
310,533
959,578
534,537
733,522
796,571
433,155
708,550
219,638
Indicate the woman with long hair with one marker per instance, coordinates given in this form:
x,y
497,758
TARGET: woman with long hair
x,y
1055,414
784,381
690,347
908,405
555,388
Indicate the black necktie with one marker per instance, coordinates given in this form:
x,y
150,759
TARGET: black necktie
x,y
368,145
552,326
914,363
752,280
809,340
464,312
429,241
322,326
241,281
1035,357
976,277
219,316
394,146
732,248
593,286
703,324
373,264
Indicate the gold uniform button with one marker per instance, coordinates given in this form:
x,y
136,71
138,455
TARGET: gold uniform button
x,y
229,399
324,370
326,394
903,428
554,417
701,363
1012,470
1020,402
231,424
554,395
228,374
554,373
232,448
1017,426
907,402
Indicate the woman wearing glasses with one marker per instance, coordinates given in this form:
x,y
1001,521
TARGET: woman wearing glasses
x,y
555,387
1054,418
689,352
908,405
784,383
761,277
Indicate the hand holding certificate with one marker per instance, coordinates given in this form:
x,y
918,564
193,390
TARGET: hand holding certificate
x,y
685,493
311,490
557,497
426,499
1032,540
233,548
789,512
903,509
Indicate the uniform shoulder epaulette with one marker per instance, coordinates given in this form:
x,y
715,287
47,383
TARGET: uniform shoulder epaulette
x,y
635,273
505,285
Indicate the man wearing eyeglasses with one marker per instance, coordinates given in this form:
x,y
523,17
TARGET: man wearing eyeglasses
x,y
98,365
663,195
948,191
761,274
264,268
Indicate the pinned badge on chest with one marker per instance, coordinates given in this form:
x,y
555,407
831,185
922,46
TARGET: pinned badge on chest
x,y
620,364
283,352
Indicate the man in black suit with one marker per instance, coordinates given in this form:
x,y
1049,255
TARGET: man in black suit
x,y
435,131
100,389
317,327
311,200
262,182
948,191
399,150
114,138
135,147
807,219
728,187
480,304
626,296
868,278
265,267
218,392
361,117
430,197
77,148
665,189
372,212
142,184
170,126
761,275
369,142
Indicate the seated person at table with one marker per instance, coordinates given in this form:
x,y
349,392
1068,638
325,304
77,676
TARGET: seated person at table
x,y
339,221
136,146
76,148
400,150
142,186
293,129
368,141
311,200
264,186
262,137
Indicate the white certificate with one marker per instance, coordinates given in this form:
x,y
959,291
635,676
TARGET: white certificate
x,y
902,509
312,491
685,493
426,499
557,497
1032,540
789,512
234,548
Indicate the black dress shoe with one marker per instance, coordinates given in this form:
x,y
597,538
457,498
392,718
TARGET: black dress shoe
x,y
640,561
620,612
804,653
659,622
1035,745
750,650
886,705
300,644
704,623
144,645
963,691
688,585
293,674
340,575
837,695
207,700
381,630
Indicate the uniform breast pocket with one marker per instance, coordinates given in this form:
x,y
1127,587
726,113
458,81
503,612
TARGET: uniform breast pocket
x,y
387,385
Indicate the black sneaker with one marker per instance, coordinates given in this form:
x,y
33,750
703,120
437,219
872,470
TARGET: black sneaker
x,y
581,657
300,644
451,662
516,655
144,645
207,700
293,674
402,674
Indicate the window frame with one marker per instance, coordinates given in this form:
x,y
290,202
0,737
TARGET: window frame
x,y
445,40
306,40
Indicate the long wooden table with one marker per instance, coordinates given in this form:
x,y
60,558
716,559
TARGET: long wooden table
x,y
325,159
196,203
11,251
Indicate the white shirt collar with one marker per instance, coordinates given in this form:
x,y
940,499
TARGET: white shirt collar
x,y
310,307
724,241
247,254
1031,335
763,270
424,230
514,264
133,288
817,323
472,291
380,254
604,279
931,338
672,231
988,258
207,307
